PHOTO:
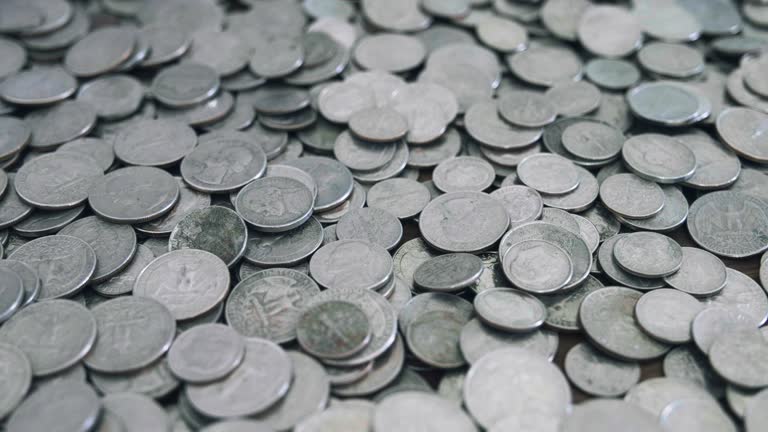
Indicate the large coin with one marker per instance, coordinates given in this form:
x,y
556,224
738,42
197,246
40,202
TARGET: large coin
x,y
134,194
729,224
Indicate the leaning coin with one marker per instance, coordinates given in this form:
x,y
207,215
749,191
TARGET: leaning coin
x,y
667,314
597,374
334,181
225,234
738,128
548,173
275,204
537,266
448,273
133,194
333,330
206,353
442,352
114,245
510,310
64,405
101,51
21,88
122,283
30,281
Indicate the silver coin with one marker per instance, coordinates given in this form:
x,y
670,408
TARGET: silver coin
x,y
39,86
671,60
752,70
189,200
95,148
154,142
101,51
133,333
609,31
574,98
241,117
667,314
754,415
612,269
449,273
361,154
279,99
355,201
351,264
537,266
598,374
550,174
123,282
64,264
321,136
12,294
167,43
187,282
522,203
546,64
737,127
206,353
225,235
383,371
53,334
645,200
275,204
284,249
643,155
617,332
687,363
112,97
563,308
333,330
588,231
687,414
483,123
394,167
223,161
185,84
701,273
334,181
267,304
593,140
522,312
56,181
55,125
66,405
202,114
448,222
672,215
462,174
710,323
135,412
603,415
478,340
491,377
526,109
736,358
648,255
732,208
16,379
16,136
391,52
114,245
668,103
612,74
442,352
405,411
222,51
19,16
29,280
338,101
402,15
430,155
133,194
743,294
378,124
372,225
277,58
716,165
403,198
408,257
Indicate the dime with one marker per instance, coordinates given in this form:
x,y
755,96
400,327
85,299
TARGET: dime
x,y
598,374
401,197
372,225
351,264
537,266
510,310
65,405
672,215
522,203
114,245
667,314
223,161
133,194
738,236
484,124
737,358
38,86
737,127
206,353
609,31
333,330
550,174
225,234
361,154
334,181
645,200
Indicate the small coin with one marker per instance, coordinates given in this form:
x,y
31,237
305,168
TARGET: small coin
x,y
667,314
378,124
65,405
185,84
674,213
598,374
701,273
225,234
122,283
645,199
370,224
333,330
206,353
510,310
648,255
462,174
593,140
548,173
351,264
659,158
537,266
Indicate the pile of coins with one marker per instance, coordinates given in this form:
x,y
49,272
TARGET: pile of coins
x,y
383,216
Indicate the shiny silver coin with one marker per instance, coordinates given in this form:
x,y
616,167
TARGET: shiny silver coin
x,y
482,121
526,109
370,224
225,234
95,148
648,255
668,103
645,200
101,51
574,98
284,249
112,97
711,323
721,239
23,88
609,31
71,405
672,215
523,311
537,266
684,414
403,198
689,364
701,273
275,204
133,194
593,140
378,124
563,308
122,283
667,314
114,245
671,60
351,264
154,143
12,294
381,372
522,203
448,273
189,200
642,154
409,406
737,126
546,65
185,84
206,353
442,353
478,340
333,330
334,181
133,411
716,165
463,173
548,173
744,294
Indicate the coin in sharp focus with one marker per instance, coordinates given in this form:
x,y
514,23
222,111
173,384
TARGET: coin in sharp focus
x,y
370,224
249,298
225,236
597,374
701,273
631,196
65,405
668,103
648,255
333,330
133,194
743,294
737,357
609,31
483,122
24,88
54,334
617,332
12,293
185,84
448,273
593,140
275,204
448,223
548,173
361,154
667,314
404,411
64,264
133,333
206,353
537,266
659,158
112,97
740,130
750,238
604,415
510,310
353,264
612,74
334,181
380,125
463,173
57,181
401,197
188,282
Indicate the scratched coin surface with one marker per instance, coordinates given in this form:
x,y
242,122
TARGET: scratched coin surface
x,y
57,181
213,229
404,198
333,330
648,255
667,314
189,199
185,84
71,405
275,204
206,353
537,266
631,196
448,273
737,236
351,264
16,379
114,245
122,282
133,195
701,273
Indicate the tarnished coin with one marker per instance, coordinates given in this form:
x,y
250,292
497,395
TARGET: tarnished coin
x,y
133,194
370,224
522,203
389,52
451,272
448,222
38,86
95,148
605,415
401,197
185,84
672,215
441,352
53,334
607,316
537,266
64,264
563,308
188,282
737,358
659,158
548,173
114,245
510,310
593,140
631,196
351,264
333,330
463,173
133,333
405,411
334,181
154,142
667,314
252,308
275,204
648,255
742,233
122,283
206,353
701,273
225,234
57,181
64,405
739,128
597,374
248,389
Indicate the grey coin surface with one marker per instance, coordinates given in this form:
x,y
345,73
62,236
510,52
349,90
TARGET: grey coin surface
x,y
57,181
53,334
389,52
16,379
659,158
351,264
701,273
687,363
378,124
101,51
408,257
450,272
612,74
526,109
279,99
668,103
405,411
593,140
743,294
334,181
134,412
738,128
287,55
722,239
95,148
133,333
267,304
736,357
112,97
360,153
154,142
510,310
206,353
442,352
710,323
122,282
548,173
189,200
462,174
42,222
333,330
66,405
754,414
12,294
667,314
64,264
672,215
237,394
607,414
355,201
448,224
275,204
225,52
653,395
401,197
616,331
478,340
188,282
671,60
563,308
185,84
645,199
30,281
338,101
16,136
39,86
490,378
648,255
284,249
370,224
522,203
574,98
546,64
484,124
686,414
537,266
609,31
133,194
716,165
597,374
225,236
114,245
383,371
430,155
